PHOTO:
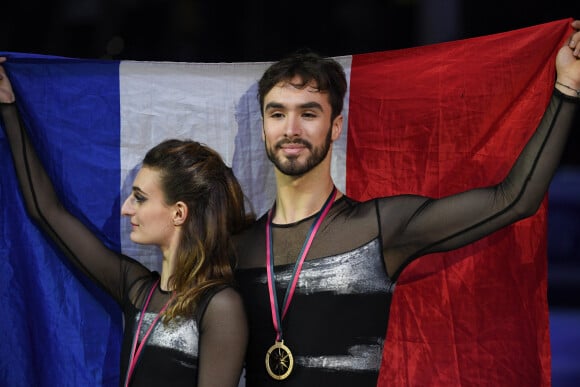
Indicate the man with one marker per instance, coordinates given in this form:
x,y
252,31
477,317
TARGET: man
x,y
318,270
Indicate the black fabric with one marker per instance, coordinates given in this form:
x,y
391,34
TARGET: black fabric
x,y
341,309
172,352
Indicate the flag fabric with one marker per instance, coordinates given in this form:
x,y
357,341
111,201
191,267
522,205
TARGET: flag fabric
x,y
431,120
455,116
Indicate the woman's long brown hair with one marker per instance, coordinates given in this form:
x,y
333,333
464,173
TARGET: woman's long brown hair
x,y
197,175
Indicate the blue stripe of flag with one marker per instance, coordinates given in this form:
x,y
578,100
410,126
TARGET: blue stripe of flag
x,y
57,327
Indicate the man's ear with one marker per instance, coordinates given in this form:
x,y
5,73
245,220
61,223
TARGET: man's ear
x,y
180,212
336,127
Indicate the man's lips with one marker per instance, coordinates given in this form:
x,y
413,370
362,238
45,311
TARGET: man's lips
x,y
292,149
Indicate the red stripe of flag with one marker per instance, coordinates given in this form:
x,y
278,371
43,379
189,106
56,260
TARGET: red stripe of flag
x,y
440,119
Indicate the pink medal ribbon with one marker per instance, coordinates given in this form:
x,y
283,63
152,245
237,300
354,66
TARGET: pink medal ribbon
x,y
279,360
136,350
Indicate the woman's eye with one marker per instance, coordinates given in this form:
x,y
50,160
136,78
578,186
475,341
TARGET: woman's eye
x,y
139,198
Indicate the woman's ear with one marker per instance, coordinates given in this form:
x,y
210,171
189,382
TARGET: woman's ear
x,y
179,213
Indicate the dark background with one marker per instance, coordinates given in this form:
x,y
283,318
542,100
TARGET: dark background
x,y
255,30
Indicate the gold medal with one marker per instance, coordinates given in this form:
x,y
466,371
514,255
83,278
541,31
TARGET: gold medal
x,y
279,361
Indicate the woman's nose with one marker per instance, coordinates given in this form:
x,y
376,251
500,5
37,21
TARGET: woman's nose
x,y
127,207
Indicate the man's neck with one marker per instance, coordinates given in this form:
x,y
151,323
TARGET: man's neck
x,y
300,198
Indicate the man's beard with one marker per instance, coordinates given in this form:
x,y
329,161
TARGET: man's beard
x,y
291,166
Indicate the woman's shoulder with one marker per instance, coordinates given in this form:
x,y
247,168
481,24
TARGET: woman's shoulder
x,y
223,304
224,297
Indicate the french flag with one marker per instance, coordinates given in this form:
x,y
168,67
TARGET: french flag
x,y
432,120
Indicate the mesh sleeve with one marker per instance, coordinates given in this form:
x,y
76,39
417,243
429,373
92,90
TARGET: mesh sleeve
x,y
428,225
223,340
106,267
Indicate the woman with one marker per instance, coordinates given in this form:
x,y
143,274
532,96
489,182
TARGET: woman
x,y
185,325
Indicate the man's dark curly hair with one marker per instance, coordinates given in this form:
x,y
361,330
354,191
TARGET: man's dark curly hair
x,y
326,73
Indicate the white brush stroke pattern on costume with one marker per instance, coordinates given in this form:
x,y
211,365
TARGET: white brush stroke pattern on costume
x,y
348,273
179,335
